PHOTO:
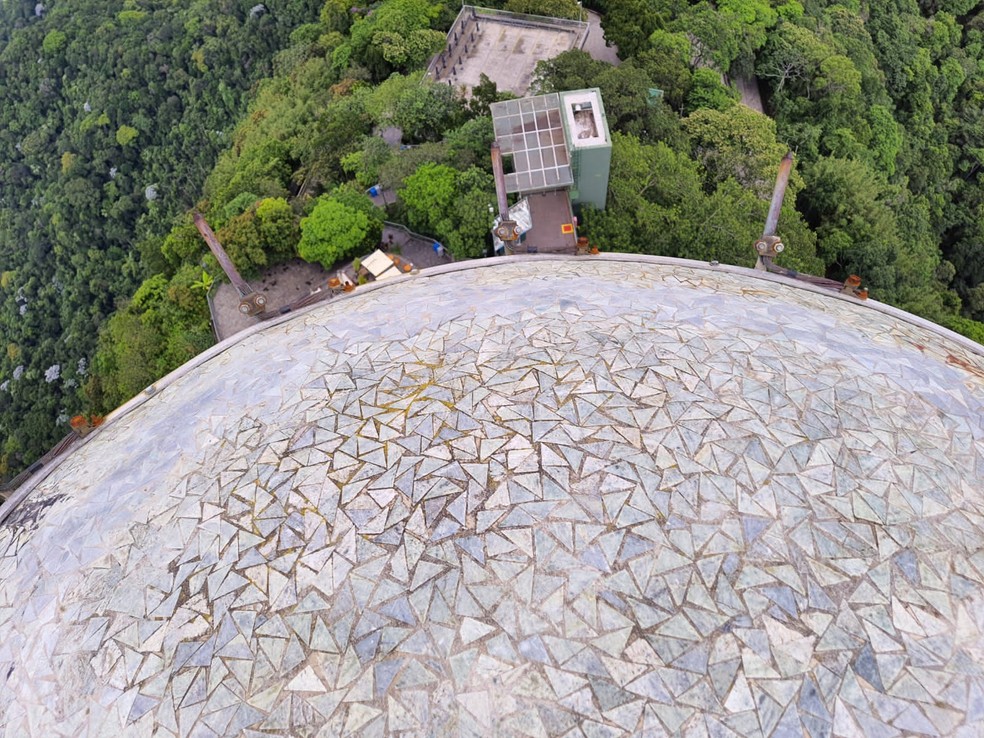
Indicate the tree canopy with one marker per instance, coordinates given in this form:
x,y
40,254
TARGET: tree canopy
x,y
111,119
336,229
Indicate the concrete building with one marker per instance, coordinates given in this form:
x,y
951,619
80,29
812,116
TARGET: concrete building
x,y
557,151
590,145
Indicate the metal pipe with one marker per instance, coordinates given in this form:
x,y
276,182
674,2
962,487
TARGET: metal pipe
x,y
500,181
778,194
242,287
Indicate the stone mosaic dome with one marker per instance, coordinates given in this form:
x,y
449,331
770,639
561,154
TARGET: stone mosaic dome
x,y
545,497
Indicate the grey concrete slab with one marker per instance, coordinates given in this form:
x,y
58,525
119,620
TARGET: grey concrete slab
x,y
507,52
551,215
596,44
751,97
282,285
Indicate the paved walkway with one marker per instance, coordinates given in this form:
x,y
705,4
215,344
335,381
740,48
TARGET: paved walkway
x,y
297,279
595,43
281,284
750,95
415,248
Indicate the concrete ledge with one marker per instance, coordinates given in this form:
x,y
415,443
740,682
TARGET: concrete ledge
x,y
25,489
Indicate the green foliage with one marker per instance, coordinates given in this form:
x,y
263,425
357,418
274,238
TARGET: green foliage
x,y
570,70
972,329
262,235
165,324
185,291
838,78
450,205
667,62
737,143
657,204
396,37
350,195
338,227
469,144
204,283
886,138
791,10
126,359
239,204
277,228
427,193
628,24
131,16
483,95
400,166
263,168
182,244
381,101
336,133
717,36
425,111
114,100
707,91
857,232
53,42
625,94
550,8
364,164
336,16
465,229
754,18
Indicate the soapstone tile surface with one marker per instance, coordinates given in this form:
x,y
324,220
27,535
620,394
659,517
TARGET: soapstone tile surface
x,y
575,498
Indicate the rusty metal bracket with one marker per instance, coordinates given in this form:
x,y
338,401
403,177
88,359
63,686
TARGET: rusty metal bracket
x,y
852,286
769,246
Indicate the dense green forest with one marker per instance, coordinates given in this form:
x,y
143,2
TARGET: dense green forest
x,y
121,122
112,115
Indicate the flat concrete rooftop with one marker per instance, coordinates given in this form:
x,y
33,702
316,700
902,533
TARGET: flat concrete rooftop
x,y
504,46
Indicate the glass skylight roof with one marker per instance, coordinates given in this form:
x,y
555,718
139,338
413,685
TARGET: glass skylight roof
x,y
530,130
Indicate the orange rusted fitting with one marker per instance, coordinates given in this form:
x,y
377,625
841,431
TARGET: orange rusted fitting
x,y
83,425
770,246
348,287
852,286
